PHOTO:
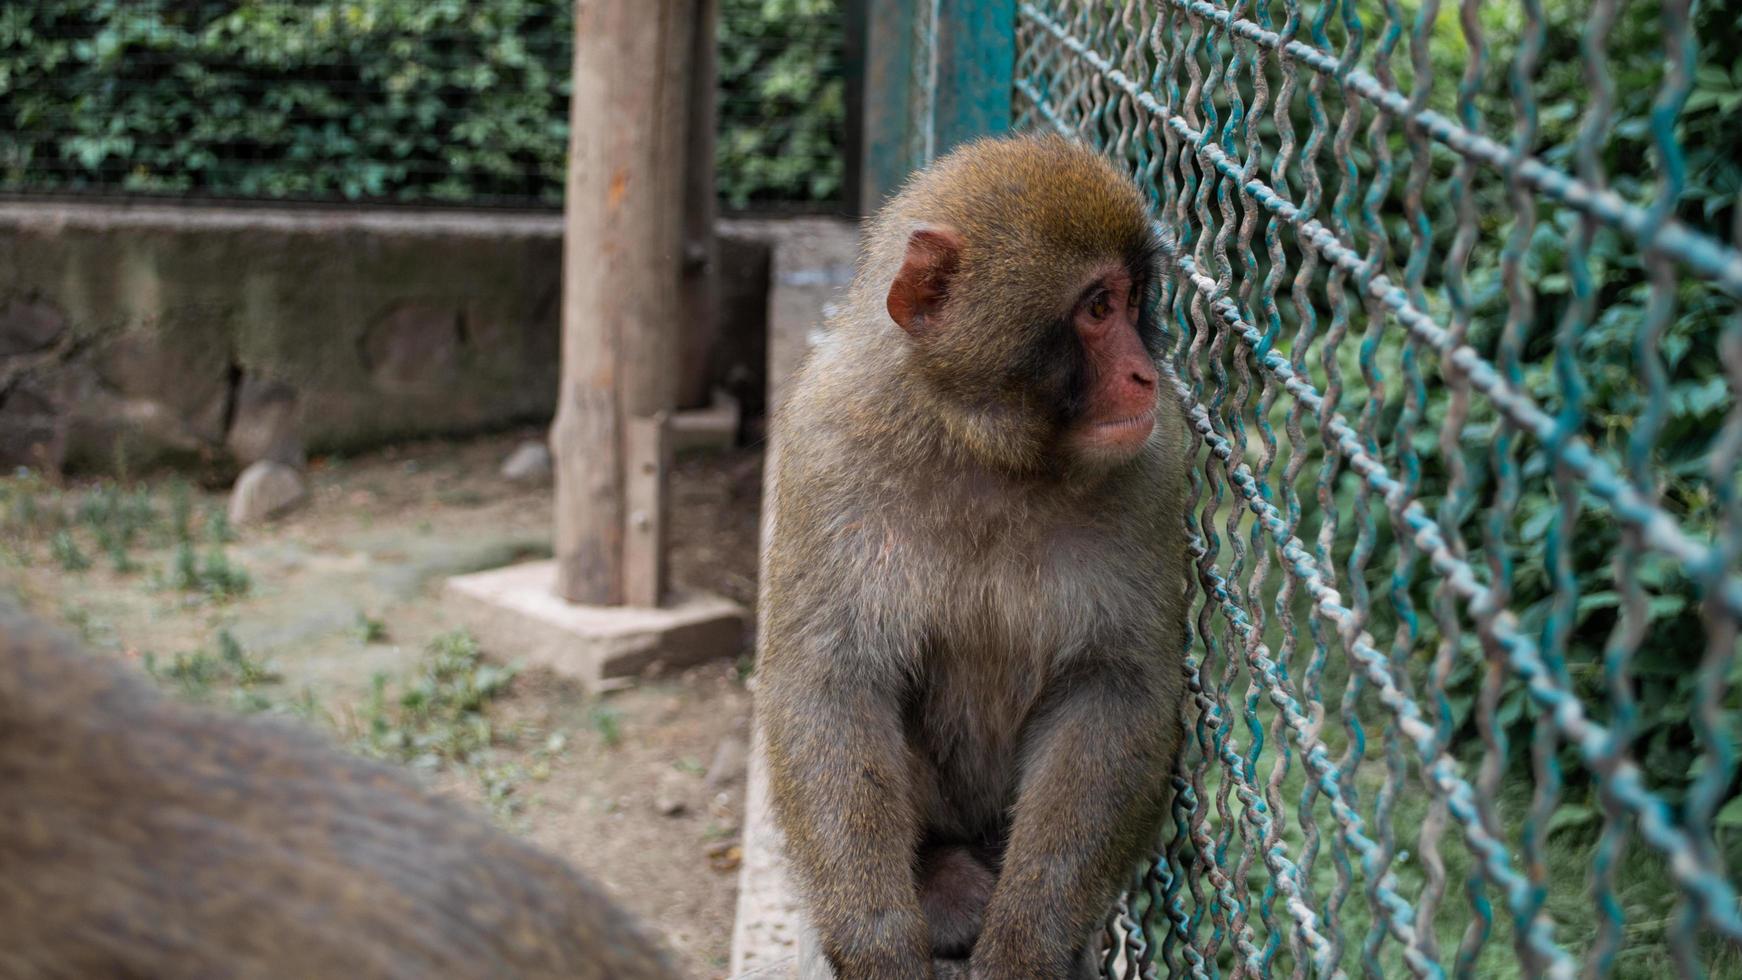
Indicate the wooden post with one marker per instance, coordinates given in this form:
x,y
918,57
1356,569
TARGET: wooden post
x,y
970,74
622,263
647,461
700,324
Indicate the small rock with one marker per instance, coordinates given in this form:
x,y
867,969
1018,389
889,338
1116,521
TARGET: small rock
x,y
265,490
672,798
528,463
265,423
725,856
728,765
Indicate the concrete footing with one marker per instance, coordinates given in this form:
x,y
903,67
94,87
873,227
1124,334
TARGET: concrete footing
x,y
714,427
516,610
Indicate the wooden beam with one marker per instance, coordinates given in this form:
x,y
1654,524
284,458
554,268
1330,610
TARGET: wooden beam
x,y
647,459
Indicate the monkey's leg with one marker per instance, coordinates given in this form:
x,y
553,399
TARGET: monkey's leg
x,y
841,773
1093,792
954,887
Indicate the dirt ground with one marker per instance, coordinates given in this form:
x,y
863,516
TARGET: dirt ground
x,y
642,788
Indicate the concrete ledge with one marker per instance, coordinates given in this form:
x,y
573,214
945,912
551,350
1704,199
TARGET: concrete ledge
x,y
766,935
769,940
516,610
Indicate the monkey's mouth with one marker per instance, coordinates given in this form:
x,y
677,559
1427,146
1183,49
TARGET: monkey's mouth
x,y
1142,421
1120,437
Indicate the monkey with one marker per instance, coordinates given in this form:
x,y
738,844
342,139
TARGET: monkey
x,y
140,837
970,671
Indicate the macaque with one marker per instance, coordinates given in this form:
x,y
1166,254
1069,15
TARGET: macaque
x,y
142,838
974,608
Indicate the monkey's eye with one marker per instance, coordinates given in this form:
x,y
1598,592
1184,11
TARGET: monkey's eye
x,y
1101,305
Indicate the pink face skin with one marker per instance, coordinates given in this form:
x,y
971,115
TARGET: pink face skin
x,y
1119,413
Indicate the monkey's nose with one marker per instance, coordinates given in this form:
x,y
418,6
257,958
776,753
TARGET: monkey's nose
x,y
1144,378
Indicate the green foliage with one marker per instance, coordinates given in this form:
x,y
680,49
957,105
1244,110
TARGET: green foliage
x,y
1664,678
782,101
368,629
66,551
215,575
1662,673
438,715
436,100
608,722
195,673
410,100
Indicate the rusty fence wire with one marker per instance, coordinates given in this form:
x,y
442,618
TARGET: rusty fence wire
x,y
1455,318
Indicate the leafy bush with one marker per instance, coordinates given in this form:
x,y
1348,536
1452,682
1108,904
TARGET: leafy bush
x,y
1662,673
782,101
425,100
1664,679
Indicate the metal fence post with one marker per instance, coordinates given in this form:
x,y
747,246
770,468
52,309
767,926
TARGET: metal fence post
x,y
935,73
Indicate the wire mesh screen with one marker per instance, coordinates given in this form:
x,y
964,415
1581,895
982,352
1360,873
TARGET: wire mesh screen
x,y
1455,312
432,101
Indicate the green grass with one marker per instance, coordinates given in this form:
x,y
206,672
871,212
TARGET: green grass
x,y
369,630
196,673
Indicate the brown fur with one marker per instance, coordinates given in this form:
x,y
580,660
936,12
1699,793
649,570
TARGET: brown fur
x,y
140,838
969,639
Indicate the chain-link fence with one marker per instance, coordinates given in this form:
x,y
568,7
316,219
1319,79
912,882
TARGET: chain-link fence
x,y
1455,311
428,101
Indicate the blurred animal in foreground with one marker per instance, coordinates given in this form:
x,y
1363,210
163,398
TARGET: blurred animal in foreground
x,y
143,838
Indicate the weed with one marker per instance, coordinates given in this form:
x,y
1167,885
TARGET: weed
x,y
218,526
193,672
181,508
245,669
308,707
249,702
217,576
32,504
607,721
439,716
196,672
66,551
438,719
81,621
369,629
222,578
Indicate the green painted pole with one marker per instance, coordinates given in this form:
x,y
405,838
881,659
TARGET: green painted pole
x,y
936,73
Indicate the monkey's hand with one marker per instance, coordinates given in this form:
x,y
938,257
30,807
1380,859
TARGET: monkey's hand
x,y
840,773
1092,797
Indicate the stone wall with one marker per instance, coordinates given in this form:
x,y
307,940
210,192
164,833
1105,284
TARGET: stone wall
x,y
136,335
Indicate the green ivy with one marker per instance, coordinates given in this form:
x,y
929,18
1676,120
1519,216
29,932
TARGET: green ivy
x,y
782,101
414,100
1662,676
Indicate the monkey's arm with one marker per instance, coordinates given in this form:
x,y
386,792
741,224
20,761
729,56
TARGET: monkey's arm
x,y
1093,793
842,781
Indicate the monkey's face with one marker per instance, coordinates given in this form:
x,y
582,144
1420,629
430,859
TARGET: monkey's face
x,y
1113,403
1023,289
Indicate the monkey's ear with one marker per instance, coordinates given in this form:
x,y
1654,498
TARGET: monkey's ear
x,y
933,253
